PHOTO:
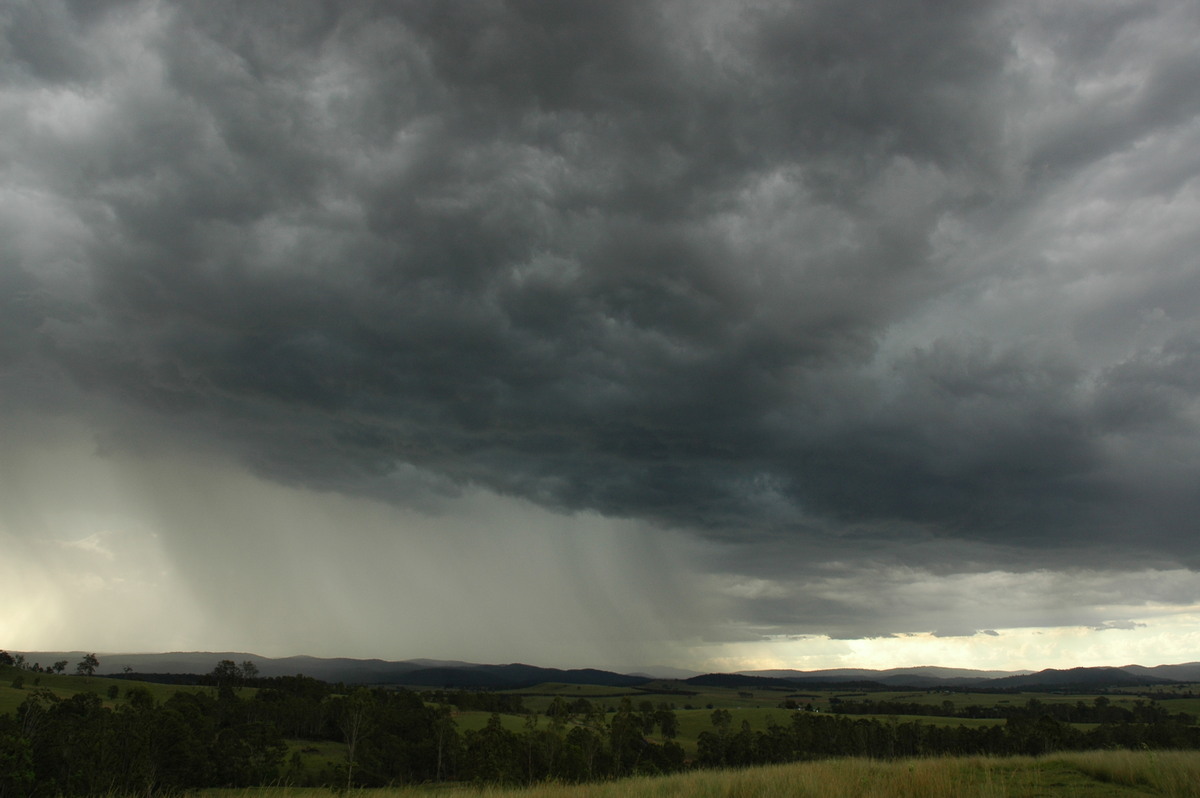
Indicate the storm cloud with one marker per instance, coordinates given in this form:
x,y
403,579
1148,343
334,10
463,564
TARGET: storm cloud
x,y
869,303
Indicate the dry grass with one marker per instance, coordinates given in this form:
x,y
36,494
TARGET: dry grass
x,y
1170,773
1101,774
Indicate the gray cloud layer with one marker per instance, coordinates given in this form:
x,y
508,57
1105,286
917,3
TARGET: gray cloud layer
x,y
805,279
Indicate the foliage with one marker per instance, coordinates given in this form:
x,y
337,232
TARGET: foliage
x,y
59,743
1099,710
87,666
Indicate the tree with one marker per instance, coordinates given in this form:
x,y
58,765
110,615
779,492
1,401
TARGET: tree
x,y
558,713
140,699
354,719
443,729
667,722
493,754
61,666
17,775
226,675
625,739
249,671
87,666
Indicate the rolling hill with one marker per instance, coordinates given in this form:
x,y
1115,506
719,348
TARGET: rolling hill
x,y
456,674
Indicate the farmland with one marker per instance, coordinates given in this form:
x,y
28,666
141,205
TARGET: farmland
x,y
309,733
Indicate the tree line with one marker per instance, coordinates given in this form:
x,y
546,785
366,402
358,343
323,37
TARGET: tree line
x,y
1099,710
85,667
1030,732
228,737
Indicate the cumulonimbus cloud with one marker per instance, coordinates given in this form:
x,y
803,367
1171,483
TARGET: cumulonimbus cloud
x,y
807,272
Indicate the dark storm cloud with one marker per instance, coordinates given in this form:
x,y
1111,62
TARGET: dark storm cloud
x,y
661,261
1098,44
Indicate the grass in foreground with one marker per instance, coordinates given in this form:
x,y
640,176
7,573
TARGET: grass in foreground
x,y
1101,774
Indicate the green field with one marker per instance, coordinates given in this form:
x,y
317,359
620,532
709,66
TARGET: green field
x,y
759,708
1108,773
756,705
692,704
67,685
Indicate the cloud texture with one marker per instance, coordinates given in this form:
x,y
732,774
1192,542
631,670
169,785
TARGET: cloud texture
x,y
860,300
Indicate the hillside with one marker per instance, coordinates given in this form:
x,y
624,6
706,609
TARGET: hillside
x,y
567,730
456,674
1077,677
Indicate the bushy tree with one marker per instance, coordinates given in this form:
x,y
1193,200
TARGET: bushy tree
x,y
226,674
87,666
17,776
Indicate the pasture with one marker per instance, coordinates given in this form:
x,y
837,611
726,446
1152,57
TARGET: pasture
x,y
68,684
1110,773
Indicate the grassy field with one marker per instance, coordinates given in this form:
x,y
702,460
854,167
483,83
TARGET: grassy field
x,y
694,721
67,685
693,704
760,707
756,707
1115,773
1118,774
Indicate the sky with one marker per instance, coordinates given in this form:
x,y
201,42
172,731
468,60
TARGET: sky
x,y
613,334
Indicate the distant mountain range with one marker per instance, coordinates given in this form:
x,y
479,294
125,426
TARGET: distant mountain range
x,y
455,674
928,675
